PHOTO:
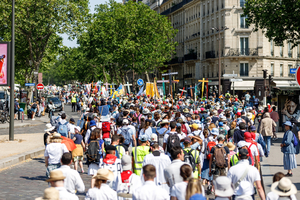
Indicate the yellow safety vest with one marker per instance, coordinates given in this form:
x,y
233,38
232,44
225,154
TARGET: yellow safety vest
x,y
195,154
119,148
73,99
138,155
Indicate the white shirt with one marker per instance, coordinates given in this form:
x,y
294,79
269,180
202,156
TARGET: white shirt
x,y
91,99
88,134
274,196
54,151
181,136
134,130
71,128
172,172
104,193
179,190
149,191
147,132
160,163
65,195
235,173
116,168
134,183
73,180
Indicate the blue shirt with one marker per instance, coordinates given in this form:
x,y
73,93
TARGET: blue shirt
x,y
162,130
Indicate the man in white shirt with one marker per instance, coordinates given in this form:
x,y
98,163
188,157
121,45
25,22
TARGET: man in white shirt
x,y
160,162
57,180
149,190
73,180
236,173
172,172
173,131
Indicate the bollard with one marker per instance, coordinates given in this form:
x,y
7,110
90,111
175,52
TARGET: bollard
x,y
22,117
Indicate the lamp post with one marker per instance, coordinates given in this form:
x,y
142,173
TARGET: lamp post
x,y
219,31
12,74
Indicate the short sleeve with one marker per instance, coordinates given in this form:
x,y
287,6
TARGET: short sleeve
x,y
173,191
65,150
46,154
166,138
227,150
212,150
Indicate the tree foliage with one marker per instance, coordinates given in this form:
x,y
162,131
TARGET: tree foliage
x,y
278,18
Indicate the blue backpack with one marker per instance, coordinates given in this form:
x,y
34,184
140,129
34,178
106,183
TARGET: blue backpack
x,y
63,129
126,135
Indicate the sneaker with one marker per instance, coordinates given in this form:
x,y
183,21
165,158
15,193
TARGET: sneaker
x,y
33,119
289,174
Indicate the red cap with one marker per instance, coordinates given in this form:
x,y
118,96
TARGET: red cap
x,y
238,114
248,137
253,135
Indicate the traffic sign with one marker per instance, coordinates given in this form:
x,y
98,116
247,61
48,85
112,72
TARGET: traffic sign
x,y
40,86
172,73
140,82
29,84
293,70
236,80
298,76
229,75
162,81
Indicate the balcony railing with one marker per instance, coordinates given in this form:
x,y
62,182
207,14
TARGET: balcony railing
x,y
190,56
242,52
210,54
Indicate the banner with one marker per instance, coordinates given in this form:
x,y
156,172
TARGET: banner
x,y
4,51
156,90
120,91
148,89
151,90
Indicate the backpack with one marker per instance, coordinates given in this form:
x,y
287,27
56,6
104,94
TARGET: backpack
x,y
220,157
209,146
189,158
93,155
161,137
222,131
105,127
34,106
63,129
183,129
126,135
173,141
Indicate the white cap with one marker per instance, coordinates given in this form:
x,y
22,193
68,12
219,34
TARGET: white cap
x,y
153,137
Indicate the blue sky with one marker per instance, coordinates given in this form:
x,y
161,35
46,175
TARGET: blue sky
x,y
93,3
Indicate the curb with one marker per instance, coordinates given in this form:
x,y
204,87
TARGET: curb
x,y
7,162
22,125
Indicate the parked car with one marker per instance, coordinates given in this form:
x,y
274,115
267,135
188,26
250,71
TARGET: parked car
x,y
56,101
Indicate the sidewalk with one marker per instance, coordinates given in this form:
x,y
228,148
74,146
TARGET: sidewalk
x,y
274,164
27,122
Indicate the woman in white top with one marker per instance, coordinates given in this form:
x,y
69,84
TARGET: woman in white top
x,y
147,130
72,126
101,191
178,191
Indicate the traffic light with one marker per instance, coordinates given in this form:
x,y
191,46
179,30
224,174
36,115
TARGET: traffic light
x,y
270,78
265,73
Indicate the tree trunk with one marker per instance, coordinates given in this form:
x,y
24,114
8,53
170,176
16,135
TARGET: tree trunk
x,y
105,78
147,76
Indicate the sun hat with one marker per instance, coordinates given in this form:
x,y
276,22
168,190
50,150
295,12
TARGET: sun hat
x,y
223,187
92,123
241,144
194,126
288,123
104,174
78,128
49,127
215,112
164,121
215,131
284,187
49,194
180,120
56,175
56,136
126,162
231,146
143,138
186,110
145,111
153,137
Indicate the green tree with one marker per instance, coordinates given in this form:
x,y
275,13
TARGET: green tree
x,y
37,24
278,18
127,37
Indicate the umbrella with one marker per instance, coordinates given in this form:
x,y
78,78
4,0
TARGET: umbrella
x,y
69,143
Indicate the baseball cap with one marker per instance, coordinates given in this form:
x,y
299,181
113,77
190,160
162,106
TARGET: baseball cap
x,y
248,137
126,162
252,128
238,113
92,123
243,152
241,144
153,137
220,123
222,137
187,140
143,138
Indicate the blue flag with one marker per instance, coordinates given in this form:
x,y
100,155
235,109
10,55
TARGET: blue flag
x,y
140,92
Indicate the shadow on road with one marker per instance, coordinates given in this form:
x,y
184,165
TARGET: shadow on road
x,y
36,178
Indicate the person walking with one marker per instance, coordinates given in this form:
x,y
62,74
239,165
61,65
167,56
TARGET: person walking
x,y
266,129
288,149
274,115
139,153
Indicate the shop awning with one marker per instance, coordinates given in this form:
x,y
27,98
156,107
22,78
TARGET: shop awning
x,y
286,85
213,83
243,85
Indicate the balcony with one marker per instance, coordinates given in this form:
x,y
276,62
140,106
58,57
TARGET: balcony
x,y
190,56
176,60
242,52
175,7
188,76
210,54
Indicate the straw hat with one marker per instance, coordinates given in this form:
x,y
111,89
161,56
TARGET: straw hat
x,y
56,175
104,174
284,187
50,194
56,136
164,121
231,146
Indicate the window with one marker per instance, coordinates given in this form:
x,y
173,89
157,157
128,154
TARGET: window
x,y
243,21
281,70
272,48
244,44
272,69
290,53
242,3
291,67
281,51
244,69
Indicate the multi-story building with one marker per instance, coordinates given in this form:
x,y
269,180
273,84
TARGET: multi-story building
x,y
209,29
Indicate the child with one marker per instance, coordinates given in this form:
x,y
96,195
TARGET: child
x,y
77,154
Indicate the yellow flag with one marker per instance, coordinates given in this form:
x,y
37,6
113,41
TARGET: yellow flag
x,y
156,90
148,89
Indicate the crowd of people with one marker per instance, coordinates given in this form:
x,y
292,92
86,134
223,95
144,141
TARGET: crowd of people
x,y
179,149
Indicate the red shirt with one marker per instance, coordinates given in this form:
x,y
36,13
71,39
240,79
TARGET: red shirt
x,y
274,115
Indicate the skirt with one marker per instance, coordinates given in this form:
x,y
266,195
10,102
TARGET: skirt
x,y
93,168
205,171
78,151
289,161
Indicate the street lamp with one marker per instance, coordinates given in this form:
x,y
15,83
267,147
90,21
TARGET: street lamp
x,y
223,28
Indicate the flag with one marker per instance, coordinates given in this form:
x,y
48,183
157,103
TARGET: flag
x,y
119,91
140,92
148,90
156,93
151,90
